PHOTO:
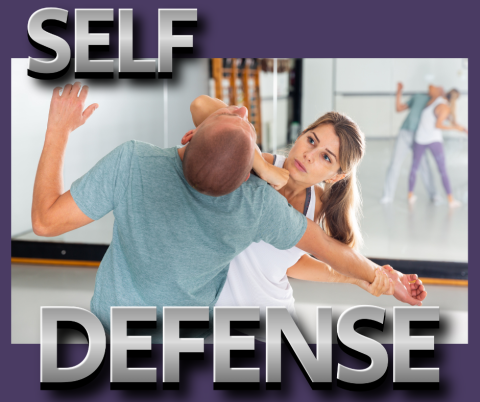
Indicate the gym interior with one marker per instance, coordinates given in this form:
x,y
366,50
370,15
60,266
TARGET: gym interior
x,y
283,97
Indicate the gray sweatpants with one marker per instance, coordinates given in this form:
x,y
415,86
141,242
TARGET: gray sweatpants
x,y
403,146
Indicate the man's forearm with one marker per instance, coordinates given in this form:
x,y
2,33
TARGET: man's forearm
x,y
336,254
49,178
311,269
349,262
53,211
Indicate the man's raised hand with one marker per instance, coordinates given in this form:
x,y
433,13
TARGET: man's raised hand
x,y
67,109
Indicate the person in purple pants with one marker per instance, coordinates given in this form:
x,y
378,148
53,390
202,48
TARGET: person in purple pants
x,y
429,135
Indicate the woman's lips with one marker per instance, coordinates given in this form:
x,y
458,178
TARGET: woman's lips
x,y
300,167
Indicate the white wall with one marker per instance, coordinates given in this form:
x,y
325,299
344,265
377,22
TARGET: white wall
x,y
317,89
266,97
191,79
129,109
267,124
382,75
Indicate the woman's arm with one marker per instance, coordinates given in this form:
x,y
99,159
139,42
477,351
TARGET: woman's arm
x,y
204,106
442,112
351,263
310,269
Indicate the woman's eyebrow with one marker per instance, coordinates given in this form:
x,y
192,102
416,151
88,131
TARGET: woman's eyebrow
x,y
331,153
326,149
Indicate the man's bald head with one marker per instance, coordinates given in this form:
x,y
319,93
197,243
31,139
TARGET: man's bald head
x,y
219,157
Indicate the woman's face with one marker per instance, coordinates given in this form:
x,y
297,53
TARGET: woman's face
x,y
314,156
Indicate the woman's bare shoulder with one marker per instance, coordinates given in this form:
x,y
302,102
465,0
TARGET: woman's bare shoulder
x,y
268,157
442,107
318,200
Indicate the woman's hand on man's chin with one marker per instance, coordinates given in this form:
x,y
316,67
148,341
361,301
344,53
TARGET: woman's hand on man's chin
x,y
273,175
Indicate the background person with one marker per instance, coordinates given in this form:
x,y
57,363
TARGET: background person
x,y
429,135
404,145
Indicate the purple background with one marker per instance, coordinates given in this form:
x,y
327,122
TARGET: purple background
x,y
341,28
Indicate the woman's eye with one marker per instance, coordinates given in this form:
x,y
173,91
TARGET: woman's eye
x,y
326,157
311,140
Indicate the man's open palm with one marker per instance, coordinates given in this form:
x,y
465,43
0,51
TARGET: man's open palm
x,y
67,110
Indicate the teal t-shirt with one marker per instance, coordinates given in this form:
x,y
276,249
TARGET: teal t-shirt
x,y
172,245
416,104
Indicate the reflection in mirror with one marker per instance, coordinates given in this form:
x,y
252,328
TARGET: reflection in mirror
x,y
366,90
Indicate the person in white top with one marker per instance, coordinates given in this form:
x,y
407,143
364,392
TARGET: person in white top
x,y
328,152
258,276
429,135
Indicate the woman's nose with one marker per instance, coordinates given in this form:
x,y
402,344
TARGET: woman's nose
x,y
309,156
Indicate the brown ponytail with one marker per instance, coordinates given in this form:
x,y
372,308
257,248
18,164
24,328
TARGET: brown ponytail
x,y
452,97
341,201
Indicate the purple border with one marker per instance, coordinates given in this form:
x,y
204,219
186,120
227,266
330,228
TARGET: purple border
x,y
342,28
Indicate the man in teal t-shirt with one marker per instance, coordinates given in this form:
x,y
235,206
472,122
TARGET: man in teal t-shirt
x,y
404,145
172,243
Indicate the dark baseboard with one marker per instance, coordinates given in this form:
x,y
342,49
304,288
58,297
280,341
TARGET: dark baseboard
x,y
428,269
58,251
95,252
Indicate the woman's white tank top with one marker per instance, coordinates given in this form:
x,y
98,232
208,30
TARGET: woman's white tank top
x,y
427,133
258,275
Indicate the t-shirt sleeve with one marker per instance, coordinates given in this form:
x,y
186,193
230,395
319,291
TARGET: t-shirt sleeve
x,y
409,103
103,187
281,225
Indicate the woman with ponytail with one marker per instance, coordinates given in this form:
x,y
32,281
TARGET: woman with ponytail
x,y
339,201
321,182
439,108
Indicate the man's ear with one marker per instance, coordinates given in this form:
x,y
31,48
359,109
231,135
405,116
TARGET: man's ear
x,y
248,176
188,136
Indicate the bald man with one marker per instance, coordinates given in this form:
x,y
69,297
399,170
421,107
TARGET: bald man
x,y
173,237
208,165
